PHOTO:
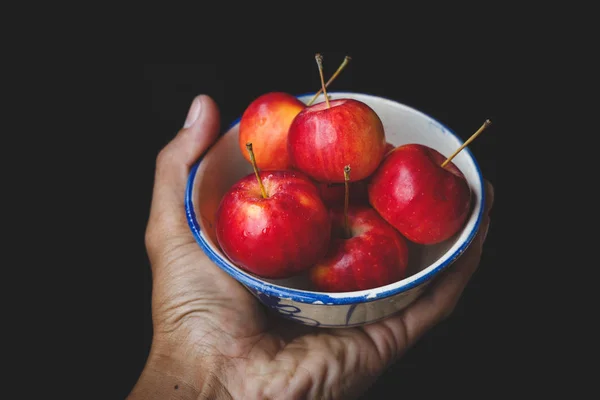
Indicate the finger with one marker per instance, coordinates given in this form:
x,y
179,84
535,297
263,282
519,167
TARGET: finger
x,y
436,304
174,161
442,297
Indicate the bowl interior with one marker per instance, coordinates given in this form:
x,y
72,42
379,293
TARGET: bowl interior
x,y
224,164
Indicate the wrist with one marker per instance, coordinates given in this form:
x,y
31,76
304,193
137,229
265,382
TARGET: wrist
x,y
171,374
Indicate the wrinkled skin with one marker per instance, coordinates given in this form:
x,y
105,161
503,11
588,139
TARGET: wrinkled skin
x,y
211,337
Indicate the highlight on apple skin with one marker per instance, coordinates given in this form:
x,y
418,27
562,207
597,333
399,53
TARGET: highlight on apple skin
x,y
375,254
276,236
325,137
265,122
425,202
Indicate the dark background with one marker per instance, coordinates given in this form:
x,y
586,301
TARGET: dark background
x,y
462,355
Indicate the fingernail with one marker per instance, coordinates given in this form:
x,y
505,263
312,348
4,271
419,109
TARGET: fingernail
x,y
193,113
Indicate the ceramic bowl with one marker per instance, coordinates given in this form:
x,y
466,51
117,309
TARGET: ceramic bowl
x,y
294,298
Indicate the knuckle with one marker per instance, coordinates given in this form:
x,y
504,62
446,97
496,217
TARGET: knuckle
x,y
164,160
151,238
162,156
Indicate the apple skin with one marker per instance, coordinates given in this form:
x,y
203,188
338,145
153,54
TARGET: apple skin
x,y
375,255
265,124
426,203
276,237
322,140
334,194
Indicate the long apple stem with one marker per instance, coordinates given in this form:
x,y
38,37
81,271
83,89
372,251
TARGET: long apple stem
x,y
336,73
465,144
346,200
255,167
319,59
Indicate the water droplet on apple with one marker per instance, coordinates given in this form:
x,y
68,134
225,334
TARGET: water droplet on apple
x,y
265,230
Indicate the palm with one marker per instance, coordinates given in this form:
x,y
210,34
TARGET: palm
x,y
330,363
215,314
194,296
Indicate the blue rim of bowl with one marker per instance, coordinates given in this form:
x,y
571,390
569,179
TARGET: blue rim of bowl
x,y
310,297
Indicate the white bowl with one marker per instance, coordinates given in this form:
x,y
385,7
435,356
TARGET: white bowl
x,y
293,298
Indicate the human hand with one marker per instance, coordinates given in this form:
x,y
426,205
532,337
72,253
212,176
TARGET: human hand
x,y
212,339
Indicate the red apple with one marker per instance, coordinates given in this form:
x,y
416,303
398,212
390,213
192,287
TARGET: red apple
x,y
265,123
326,136
276,236
424,201
333,194
374,254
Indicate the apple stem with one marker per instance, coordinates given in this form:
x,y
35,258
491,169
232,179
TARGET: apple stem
x,y
465,144
255,167
319,59
346,200
340,68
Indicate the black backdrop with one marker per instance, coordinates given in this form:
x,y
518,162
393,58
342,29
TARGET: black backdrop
x,y
460,356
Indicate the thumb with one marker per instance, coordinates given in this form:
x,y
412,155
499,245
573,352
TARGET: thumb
x,y
167,214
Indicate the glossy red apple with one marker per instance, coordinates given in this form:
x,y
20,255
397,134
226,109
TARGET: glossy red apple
x,y
276,236
374,254
326,136
265,123
425,202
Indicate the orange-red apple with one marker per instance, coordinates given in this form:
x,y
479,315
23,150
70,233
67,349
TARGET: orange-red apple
x,y
265,123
